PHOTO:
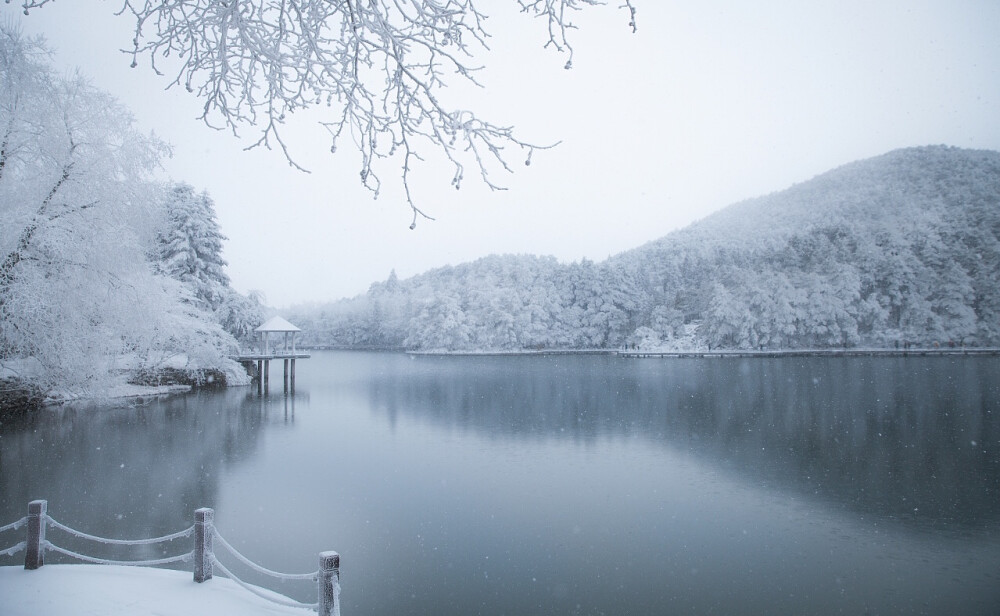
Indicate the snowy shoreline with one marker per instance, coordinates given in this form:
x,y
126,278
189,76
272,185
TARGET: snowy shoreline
x,y
123,386
125,392
698,353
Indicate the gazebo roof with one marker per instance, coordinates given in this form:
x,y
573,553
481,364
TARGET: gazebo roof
x,y
277,324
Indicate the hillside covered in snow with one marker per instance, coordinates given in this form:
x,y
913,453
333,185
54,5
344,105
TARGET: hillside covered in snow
x,y
900,248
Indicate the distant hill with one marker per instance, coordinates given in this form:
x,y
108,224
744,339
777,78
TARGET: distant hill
x,y
900,248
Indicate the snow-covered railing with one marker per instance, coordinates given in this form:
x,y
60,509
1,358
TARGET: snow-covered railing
x,y
327,576
203,530
17,547
35,544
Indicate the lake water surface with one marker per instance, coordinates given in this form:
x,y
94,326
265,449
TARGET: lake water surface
x,y
560,484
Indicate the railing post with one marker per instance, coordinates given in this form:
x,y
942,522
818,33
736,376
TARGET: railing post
x,y
34,555
203,525
329,584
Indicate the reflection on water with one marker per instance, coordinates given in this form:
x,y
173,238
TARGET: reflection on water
x,y
913,439
563,485
134,470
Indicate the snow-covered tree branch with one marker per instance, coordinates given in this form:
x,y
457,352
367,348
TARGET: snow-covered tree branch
x,y
79,299
381,66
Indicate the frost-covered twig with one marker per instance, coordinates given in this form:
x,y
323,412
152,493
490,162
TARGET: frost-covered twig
x,y
381,65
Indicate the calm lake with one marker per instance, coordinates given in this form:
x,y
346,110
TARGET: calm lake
x,y
560,484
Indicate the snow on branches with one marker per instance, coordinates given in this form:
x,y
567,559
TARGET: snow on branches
x,y
80,299
381,64
555,13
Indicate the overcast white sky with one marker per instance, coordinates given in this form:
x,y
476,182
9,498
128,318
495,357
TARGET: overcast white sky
x,y
709,103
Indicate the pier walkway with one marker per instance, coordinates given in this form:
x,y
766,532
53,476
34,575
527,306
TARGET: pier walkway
x,y
911,352
259,366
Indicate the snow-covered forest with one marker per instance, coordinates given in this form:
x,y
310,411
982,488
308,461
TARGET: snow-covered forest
x,y
106,273
899,249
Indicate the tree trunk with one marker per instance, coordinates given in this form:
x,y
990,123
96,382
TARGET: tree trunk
x,y
24,241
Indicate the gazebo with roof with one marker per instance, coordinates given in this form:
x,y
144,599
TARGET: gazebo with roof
x,y
262,358
277,324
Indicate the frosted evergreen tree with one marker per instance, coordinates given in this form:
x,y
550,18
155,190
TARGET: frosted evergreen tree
x,y
190,247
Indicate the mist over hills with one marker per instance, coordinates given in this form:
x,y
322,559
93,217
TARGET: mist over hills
x,y
900,248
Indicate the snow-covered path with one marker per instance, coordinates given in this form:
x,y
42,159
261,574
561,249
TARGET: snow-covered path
x,y
106,590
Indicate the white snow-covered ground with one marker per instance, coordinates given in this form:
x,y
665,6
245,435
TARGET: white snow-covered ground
x,y
109,590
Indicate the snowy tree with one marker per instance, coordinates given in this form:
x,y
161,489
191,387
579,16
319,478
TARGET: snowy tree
x,y
240,315
189,250
666,321
592,313
772,314
190,245
726,320
539,320
382,67
70,218
644,338
78,298
65,152
441,324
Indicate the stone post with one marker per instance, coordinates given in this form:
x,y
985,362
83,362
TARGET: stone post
x,y
34,554
329,578
203,526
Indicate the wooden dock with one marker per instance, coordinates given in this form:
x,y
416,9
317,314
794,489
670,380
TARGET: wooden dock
x,y
258,365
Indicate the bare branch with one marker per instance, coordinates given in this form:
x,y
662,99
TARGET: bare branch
x,y
380,63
